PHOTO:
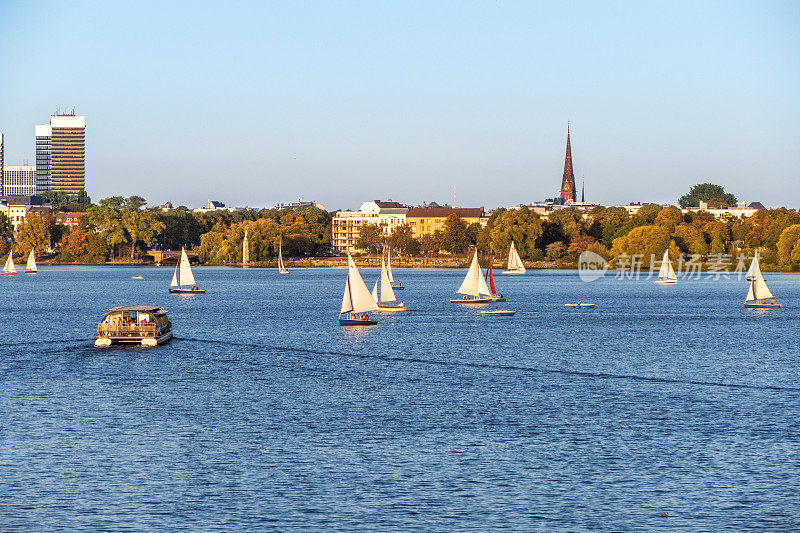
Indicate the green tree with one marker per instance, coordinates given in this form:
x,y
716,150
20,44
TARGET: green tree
x,y
35,232
717,246
431,243
142,226
789,247
556,250
706,192
699,246
455,235
370,238
6,228
669,217
522,226
401,238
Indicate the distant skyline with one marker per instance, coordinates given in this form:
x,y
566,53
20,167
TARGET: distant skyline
x,y
341,102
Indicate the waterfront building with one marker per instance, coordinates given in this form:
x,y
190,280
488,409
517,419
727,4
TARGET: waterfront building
x,y
742,210
71,220
346,224
568,192
427,220
19,180
61,154
16,207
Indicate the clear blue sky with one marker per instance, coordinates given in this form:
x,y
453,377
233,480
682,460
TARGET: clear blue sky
x,y
253,103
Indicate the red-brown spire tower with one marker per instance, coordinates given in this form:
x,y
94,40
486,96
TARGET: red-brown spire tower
x,y
568,193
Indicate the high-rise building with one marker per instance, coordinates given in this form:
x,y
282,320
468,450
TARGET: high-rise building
x,y
2,161
568,192
43,133
61,154
19,180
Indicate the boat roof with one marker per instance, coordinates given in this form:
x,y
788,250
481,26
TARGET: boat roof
x,y
146,308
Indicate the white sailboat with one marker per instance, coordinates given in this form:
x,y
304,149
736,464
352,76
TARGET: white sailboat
x,y
182,279
386,294
758,295
666,274
245,250
30,268
281,268
8,268
474,286
515,265
396,285
357,300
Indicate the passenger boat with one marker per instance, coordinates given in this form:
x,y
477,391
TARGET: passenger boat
x,y
281,268
515,265
490,280
146,325
245,251
758,295
580,305
386,297
182,279
357,300
396,285
30,268
473,287
8,268
666,274
497,312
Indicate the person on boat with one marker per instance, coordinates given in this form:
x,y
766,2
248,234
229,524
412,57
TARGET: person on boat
x,y
195,288
773,301
364,316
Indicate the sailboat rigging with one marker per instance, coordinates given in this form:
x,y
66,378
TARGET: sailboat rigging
x,y
666,274
396,285
8,268
183,281
758,294
30,268
386,293
245,250
281,268
357,300
473,287
515,265
490,280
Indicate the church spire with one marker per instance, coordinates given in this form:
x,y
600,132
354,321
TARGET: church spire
x,y
568,193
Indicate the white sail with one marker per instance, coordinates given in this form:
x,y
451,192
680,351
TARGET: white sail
x,y
9,266
31,266
473,283
755,269
387,294
375,290
245,249
750,294
357,298
514,261
483,288
761,289
174,282
281,267
389,265
666,271
185,276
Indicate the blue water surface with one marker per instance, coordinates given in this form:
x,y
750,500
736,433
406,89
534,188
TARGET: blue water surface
x,y
263,413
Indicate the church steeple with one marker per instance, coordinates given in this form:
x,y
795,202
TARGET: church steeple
x,y
568,192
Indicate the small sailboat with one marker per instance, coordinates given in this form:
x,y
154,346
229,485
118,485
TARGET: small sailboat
x,y
137,276
387,294
30,268
281,268
515,265
758,295
581,305
474,287
245,250
357,300
666,274
490,280
8,268
396,285
497,312
182,279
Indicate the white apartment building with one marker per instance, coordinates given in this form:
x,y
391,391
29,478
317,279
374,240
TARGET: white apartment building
x,y
346,224
19,180
742,210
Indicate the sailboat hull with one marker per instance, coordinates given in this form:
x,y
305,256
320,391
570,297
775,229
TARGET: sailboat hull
x,y
666,281
498,299
392,308
758,305
31,271
397,288
186,291
283,271
356,322
519,272
471,300
8,273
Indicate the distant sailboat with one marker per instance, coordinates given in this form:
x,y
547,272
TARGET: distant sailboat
x,y
666,274
490,279
474,285
245,250
30,268
281,268
8,268
395,284
387,294
182,279
515,265
758,295
357,300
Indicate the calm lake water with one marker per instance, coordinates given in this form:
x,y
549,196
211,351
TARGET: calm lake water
x,y
263,413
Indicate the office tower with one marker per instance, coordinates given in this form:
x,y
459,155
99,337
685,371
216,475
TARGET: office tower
x,y
2,161
43,133
61,154
19,180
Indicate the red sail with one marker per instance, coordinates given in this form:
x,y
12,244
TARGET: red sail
x,y
490,276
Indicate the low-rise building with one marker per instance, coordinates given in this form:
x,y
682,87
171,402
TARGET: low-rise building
x,y
426,220
742,210
16,207
70,220
213,205
19,180
346,224
300,204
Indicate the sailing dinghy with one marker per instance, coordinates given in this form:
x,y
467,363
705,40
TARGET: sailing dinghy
x,y
490,280
281,268
182,279
666,274
30,268
474,287
758,295
386,294
515,265
396,285
8,268
245,250
357,300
